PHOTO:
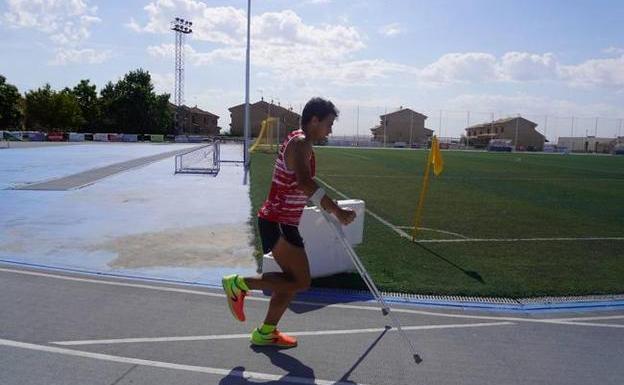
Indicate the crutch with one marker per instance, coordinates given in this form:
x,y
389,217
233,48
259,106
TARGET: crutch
x,y
385,309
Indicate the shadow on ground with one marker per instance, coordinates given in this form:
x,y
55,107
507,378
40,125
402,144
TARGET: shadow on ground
x,y
295,368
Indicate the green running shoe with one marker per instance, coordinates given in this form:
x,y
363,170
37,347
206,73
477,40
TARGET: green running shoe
x,y
276,338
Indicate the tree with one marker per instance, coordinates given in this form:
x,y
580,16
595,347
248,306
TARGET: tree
x,y
87,99
107,107
131,106
10,105
48,110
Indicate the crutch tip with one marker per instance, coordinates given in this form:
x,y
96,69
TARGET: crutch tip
x,y
417,359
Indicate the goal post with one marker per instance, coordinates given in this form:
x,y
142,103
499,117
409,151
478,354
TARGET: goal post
x,y
202,160
268,138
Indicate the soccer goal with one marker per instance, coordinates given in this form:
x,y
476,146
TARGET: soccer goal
x,y
232,151
268,139
203,160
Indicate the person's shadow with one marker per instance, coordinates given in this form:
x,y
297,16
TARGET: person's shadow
x,y
295,368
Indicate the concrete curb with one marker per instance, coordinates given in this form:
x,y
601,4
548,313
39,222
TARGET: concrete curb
x,y
329,296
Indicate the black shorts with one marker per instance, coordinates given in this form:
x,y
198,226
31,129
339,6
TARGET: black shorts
x,y
270,232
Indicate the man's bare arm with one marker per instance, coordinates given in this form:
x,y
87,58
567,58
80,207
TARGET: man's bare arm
x,y
299,153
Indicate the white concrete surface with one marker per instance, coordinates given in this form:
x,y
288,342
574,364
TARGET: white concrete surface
x,y
146,221
326,254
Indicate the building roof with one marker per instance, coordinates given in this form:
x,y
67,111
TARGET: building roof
x,y
401,111
194,110
264,104
500,121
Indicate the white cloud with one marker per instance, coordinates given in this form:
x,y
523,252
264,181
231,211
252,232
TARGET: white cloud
x,y
77,56
281,41
317,2
290,49
67,23
461,67
614,51
595,72
163,83
167,51
476,67
530,106
522,66
133,25
391,29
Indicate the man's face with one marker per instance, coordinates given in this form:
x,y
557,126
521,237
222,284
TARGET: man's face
x,y
322,128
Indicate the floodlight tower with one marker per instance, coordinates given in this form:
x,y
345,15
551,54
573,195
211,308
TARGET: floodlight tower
x,y
181,27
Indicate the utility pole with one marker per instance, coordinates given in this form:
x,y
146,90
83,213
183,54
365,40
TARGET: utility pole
x,y
467,126
357,127
246,133
516,135
440,125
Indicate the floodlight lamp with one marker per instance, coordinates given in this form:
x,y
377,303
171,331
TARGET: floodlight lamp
x,y
190,23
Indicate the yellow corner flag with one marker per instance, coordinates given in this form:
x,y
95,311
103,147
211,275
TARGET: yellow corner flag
x,y
435,159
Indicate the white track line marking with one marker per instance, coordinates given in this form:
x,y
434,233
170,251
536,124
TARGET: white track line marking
x,y
246,335
167,365
341,306
598,318
592,324
136,285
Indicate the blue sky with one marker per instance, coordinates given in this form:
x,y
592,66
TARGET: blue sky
x,y
459,62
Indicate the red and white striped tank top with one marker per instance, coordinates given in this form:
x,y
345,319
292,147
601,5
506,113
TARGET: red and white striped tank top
x,y
286,202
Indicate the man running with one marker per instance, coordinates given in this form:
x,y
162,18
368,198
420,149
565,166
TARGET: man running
x,y
278,220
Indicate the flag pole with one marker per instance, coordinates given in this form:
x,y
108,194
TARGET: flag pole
x,y
423,190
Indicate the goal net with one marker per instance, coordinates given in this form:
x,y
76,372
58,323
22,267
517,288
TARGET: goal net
x,y
268,139
203,160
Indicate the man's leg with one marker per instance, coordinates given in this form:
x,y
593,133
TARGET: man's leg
x,y
279,302
295,274
294,264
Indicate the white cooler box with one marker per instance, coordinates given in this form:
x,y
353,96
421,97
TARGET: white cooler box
x,y
326,254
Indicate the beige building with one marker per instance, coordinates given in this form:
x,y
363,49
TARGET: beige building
x,y
195,121
589,144
259,111
519,130
404,125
